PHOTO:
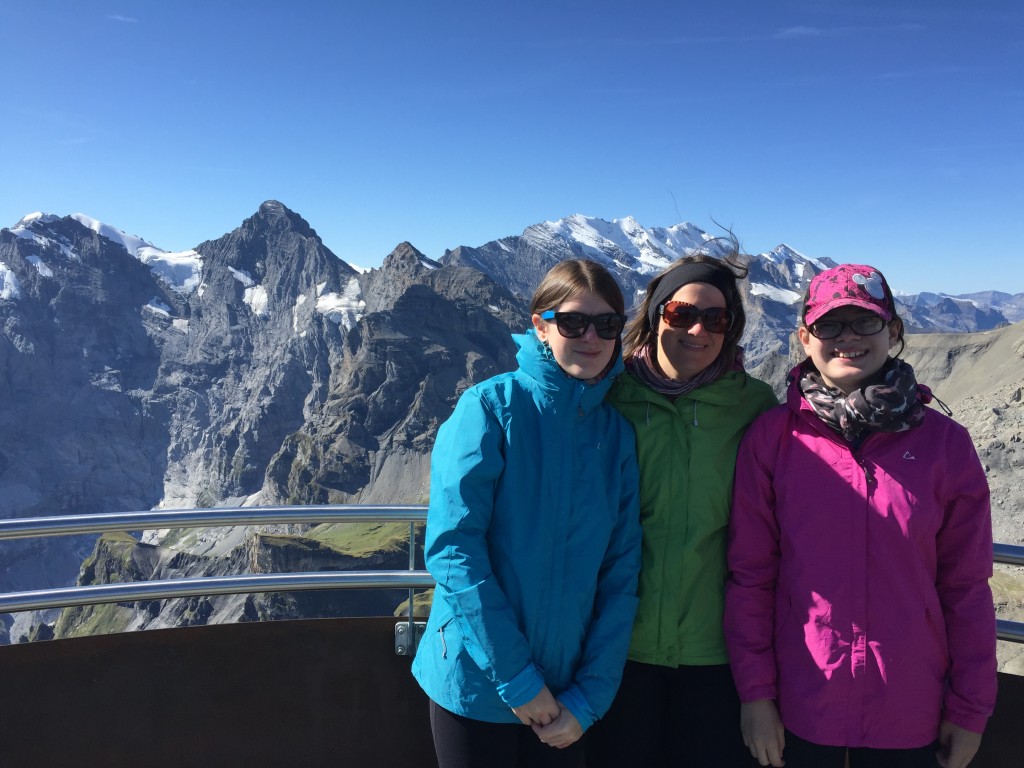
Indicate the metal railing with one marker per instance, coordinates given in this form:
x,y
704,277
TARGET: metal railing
x,y
411,579
67,525
1009,554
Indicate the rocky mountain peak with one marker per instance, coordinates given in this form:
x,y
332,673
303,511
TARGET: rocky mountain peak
x,y
278,373
405,257
274,216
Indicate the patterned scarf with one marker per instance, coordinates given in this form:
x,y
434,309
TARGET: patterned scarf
x,y
895,404
643,367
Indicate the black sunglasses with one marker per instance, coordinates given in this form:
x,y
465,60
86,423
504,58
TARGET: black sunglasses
x,y
572,325
679,314
865,325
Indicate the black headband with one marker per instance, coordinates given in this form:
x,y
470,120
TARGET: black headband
x,y
684,274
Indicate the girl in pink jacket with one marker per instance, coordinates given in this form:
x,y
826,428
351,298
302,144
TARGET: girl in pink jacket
x,y
858,617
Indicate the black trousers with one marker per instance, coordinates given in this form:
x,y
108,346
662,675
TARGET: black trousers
x,y
461,742
683,717
805,754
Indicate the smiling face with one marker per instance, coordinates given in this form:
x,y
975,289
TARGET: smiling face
x,y
849,361
683,353
586,357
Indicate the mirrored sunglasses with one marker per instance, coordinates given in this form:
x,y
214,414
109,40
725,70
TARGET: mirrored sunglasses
x,y
572,325
865,325
681,315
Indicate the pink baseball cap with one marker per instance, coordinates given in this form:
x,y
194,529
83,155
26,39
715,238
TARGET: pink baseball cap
x,y
856,285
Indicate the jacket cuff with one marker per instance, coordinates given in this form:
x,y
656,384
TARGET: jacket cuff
x,y
573,700
522,688
967,721
758,692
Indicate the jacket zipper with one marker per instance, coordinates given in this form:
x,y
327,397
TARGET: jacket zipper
x,y
869,475
444,645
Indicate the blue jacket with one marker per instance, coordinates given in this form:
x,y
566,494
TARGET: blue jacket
x,y
533,536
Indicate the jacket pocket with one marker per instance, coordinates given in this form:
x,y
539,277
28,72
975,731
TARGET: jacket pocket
x,y
440,637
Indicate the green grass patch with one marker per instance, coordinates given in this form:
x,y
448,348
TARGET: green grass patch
x,y
363,539
93,620
421,605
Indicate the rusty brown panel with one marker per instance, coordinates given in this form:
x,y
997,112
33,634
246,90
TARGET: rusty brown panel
x,y
316,692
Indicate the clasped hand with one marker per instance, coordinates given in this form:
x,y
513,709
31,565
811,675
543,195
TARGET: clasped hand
x,y
555,725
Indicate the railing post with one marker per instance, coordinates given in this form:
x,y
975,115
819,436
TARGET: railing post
x,y
412,592
407,633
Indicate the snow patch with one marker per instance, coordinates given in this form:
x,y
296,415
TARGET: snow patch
x,y
10,288
158,307
41,268
774,293
345,309
182,271
299,301
25,230
131,243
242,276
257,299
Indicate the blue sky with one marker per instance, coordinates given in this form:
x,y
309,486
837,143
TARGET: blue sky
x,y
879,132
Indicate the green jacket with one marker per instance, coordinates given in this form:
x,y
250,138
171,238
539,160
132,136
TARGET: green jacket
x,y
687,454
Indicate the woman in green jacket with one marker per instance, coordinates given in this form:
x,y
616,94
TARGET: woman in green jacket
x,y
690,401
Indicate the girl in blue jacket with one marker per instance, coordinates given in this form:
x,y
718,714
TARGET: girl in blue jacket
x,y
533,536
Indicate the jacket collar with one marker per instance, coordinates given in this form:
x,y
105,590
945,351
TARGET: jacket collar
x,y
536,361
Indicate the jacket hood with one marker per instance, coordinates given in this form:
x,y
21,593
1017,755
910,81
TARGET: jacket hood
x,y
537,362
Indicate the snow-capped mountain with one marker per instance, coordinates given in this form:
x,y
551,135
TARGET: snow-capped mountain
x,y
631,252
269,371
953,313
259,367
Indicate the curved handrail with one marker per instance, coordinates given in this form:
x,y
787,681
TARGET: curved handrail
x,y
237,584
1010,554
67,525
96,594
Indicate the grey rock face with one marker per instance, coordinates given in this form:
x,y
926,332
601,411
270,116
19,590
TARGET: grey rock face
x,y
79,350
273,377
255,353
432,333
282,375
979,376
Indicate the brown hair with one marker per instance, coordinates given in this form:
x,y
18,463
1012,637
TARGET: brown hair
x,y
640,331
568,278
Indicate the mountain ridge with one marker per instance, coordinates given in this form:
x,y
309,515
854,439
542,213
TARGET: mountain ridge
x,y
260,368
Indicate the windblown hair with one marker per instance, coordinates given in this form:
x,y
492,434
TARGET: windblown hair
x,y
640,332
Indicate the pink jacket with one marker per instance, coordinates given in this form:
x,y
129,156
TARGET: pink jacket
x,y
859,596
